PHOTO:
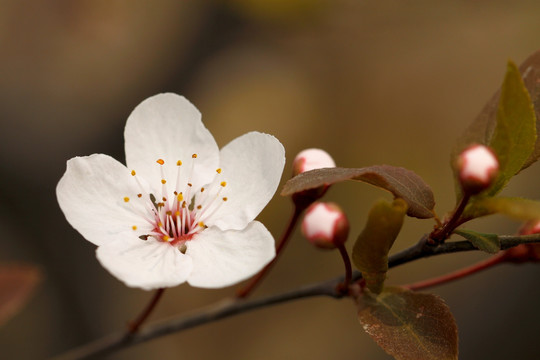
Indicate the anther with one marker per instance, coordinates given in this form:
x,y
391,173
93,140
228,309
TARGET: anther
x,y
189,184
201,224
164,199
169,213
126,199
133,173
134,227
202,189
166,238
194,156
163,181
225,199
160,161
139,195
199,207
223,183
180,197
218,171
179,163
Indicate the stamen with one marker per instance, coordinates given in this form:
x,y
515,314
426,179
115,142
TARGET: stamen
x,y
194,156
202,189
134,227
223,183
160,161
179,163
139,195
126,199
163,181
225,198
218,171
133,173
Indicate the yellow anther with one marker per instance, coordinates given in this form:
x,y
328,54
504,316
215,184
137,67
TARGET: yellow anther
x,y
177,213
139,195
163,181
202,189
223,183
133,173
126,199
201,224
179,163
166,238
134,227
180,197
225,199
218,171
160,161
160,224
194,156
169,213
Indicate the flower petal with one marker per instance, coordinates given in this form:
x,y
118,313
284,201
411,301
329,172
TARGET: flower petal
x,y
169,127
223,258
252,165
91,194
144,264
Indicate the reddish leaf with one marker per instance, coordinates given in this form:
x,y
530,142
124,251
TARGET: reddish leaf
x,y
16,285
409,325
401,182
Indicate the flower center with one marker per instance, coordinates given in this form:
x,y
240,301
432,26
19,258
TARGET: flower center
x,y
177,216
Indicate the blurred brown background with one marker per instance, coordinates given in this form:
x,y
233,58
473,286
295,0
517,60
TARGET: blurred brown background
x,y
371,82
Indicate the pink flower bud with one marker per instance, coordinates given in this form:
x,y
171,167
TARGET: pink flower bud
x,y
526,252
477,168
311,159
325,225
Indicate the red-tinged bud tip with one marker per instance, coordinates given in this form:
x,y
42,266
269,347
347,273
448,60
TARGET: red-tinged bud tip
x,y
477,168
530,228
306,160
325,225
311,159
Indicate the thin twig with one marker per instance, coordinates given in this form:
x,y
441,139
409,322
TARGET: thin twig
x,y
114,342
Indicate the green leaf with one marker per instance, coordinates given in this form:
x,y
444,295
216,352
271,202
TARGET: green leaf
x,y
409,325
517,208
370,252
17,283
402,183
481,130
486,242
514,137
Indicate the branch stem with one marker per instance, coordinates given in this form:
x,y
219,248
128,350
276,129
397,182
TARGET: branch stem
x,y
231,307
135,325
244,292
461,273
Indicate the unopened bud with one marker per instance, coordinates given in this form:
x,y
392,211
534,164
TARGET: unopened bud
x,y
477,169
325,225
526,252
306,160
311,159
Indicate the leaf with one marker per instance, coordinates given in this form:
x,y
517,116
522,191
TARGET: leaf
x,y
481,130
16,285
514,136
517,208
486,242
402,183
409,325
370,252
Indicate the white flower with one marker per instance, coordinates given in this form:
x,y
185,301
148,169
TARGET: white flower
x,y
182,210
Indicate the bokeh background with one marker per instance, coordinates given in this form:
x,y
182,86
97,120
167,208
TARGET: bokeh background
x,y
371,82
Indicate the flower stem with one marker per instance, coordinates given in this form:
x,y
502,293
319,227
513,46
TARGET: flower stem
x,y
440,234
134,326
246,290
344,287
461,273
